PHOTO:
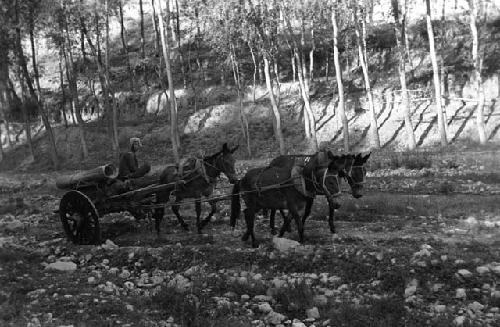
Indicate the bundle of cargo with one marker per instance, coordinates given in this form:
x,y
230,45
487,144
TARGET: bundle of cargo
x,y
96,175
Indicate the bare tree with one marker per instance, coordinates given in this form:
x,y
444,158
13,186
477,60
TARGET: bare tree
x,y
477,61
173,104
141,12
338,75
437,84
360,29
400,31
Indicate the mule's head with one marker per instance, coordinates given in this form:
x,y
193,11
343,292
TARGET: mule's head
x,y
225,163
355,173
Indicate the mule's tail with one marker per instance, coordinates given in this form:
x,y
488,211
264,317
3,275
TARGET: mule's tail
x,y
235,204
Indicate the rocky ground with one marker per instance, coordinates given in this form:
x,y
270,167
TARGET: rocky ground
x,y
421,248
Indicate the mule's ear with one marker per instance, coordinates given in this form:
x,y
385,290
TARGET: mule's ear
x,y
365,159
225,148
235,148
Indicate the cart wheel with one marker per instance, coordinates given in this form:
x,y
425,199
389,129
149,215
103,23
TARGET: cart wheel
x,y
79,218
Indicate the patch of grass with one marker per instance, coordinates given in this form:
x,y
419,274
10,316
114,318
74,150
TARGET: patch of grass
x,y
384,312
295,298
446,187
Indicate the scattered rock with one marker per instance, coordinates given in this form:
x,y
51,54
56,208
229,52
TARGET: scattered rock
x,y
91,280
263,298
109,245
180,283
411,288
275,318
313,313
459,321
476,307
461,293
124,274
482,270
440,308
284,244
298,324
61,266
265,307
320,300
465,273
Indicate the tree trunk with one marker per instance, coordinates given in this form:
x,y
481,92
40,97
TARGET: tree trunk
x,y
63,93
340,84
477,61
41,107
276,113
141,12
157,32
71,76
311,54
310,121
124,45
294,69
400,31
243,117
179,48
361,40
254,70
437,86
114,117
4,86
173,105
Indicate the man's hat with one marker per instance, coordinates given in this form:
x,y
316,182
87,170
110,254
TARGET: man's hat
x,y
134,140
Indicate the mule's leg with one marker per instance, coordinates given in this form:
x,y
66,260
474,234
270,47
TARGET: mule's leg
x,y
332,205
213,210
292,211
307,210
158,216
245,236
272,223
198,214
286,224
289,227
250,219
175,209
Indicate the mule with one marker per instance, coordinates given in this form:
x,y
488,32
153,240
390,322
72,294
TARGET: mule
x,y
197,183
276,188
353,172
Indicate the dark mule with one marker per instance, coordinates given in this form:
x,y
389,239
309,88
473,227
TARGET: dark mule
x,y
350,167
277,188
196,185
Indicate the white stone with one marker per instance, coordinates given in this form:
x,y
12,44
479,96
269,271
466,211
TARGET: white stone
x,y
313,313
263,298
245,297
481,270
476,306
275,318
91,280
124,274
465,273
109,245
129,285
298,324
495,294
496,270
440,308
61,266
285,244
320,300
411,288
129,307
180,283
265,307
461,293
459,321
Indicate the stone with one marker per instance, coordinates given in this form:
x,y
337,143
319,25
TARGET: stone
x,y
320,300
61,266
109,245
265,307
298,324
274,318
476,306
495,294
465,273
461,293
284,244
124,274
482,270
411,288
129,285
245,297
313,313
91,280
440,308
262,298
180,283
129,307
459,321
496,270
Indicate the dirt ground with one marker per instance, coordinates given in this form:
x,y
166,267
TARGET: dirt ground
x,y
420,248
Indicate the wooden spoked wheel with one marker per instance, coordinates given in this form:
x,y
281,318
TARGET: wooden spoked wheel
x,y
79,218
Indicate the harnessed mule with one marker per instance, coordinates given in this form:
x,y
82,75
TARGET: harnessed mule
x,y
274,188
351,168
196,184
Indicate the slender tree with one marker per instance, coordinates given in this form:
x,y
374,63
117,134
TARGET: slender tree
x,y
477,61
114,113
400,31
360,29
141,13
174,135
435,69
338,75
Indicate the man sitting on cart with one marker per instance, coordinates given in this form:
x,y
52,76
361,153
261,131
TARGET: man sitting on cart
x,y
129,166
